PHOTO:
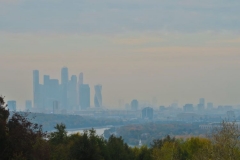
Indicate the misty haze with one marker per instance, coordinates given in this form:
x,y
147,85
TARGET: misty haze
x,y
120,80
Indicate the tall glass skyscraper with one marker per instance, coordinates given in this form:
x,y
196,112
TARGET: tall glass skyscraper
x,y
84,96
80,79
98,96
64,75
36,89
64,84
72,90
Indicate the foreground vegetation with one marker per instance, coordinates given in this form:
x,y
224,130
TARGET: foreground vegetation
x,y
21,139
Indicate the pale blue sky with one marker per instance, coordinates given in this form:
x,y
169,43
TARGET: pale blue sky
x,y
111,16
170,49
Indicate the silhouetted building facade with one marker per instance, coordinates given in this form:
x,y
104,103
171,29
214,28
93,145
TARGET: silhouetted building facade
x,y
134,104
200,107
64,87
36,89
188,108
70,94
202,101
12,105
84,96
98,96
72,90
80,81
147,113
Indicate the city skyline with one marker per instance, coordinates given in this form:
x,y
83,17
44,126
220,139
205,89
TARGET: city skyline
x,y
69,95
42,77
74,83
171,50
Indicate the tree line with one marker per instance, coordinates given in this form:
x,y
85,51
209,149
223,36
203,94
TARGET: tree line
x,y
20,139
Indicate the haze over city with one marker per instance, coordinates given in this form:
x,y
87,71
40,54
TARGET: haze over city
x,y
120,79
174,51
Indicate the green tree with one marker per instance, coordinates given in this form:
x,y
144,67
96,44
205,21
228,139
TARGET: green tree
x,y
88,146
119,150
4,113
142,153
166,152
59,136
158,143
17,134
195,148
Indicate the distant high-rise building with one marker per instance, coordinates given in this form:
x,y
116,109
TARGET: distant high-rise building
x,y
98,96
53,92
12,105
134,104
80,81
64,75
46,79
188,107
36,89
28,105
202,101
72,90
201,105
209,105
84,96
64,86
147,113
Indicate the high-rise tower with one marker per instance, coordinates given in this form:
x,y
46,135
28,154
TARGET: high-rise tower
x,y
46,95
201,104
84,96
36,89
98,96
202,101
64,75
134,104
64,84
80,81
72,90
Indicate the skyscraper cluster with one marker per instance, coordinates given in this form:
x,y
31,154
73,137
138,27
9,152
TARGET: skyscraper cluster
x,y
69,94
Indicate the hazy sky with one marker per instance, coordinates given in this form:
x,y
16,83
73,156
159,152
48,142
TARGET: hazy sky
x,y
174,50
